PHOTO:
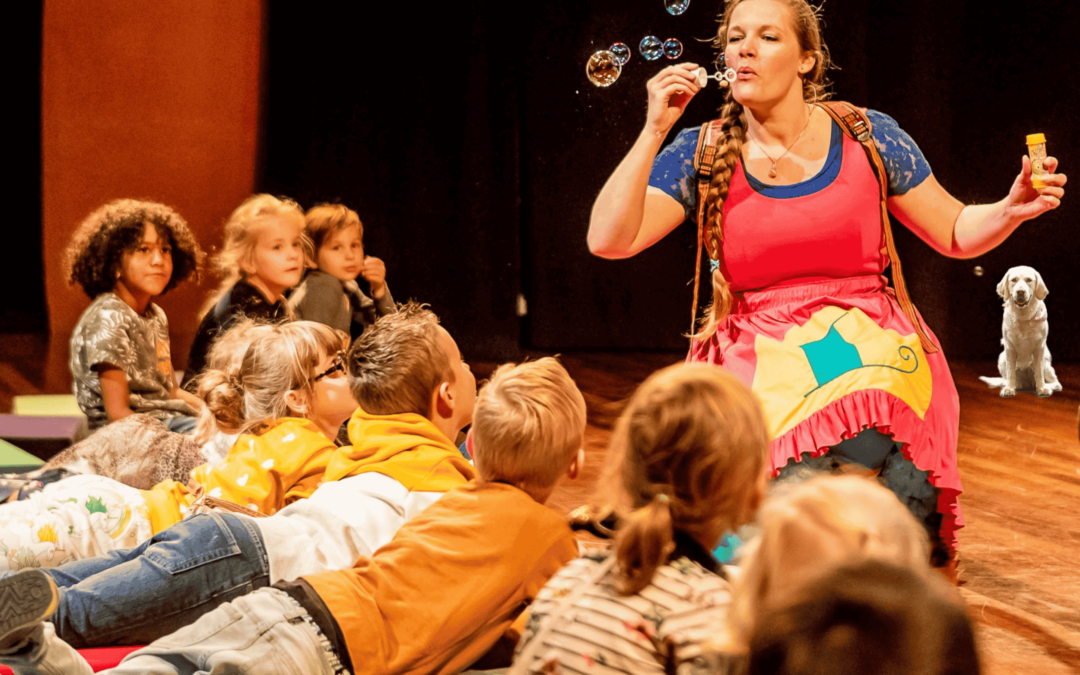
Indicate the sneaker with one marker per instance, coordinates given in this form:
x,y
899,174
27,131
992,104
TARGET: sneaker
x,y
26,599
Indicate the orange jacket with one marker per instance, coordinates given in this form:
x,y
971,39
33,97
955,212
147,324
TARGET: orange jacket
x,y
439,595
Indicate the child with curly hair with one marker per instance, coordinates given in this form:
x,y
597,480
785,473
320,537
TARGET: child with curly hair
x,y
330,294
263,256
124,255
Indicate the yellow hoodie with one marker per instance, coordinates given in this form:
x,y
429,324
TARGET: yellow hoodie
x,y
406,447
264,472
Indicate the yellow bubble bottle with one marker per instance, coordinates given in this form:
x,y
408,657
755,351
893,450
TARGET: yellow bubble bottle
x,y
1037,152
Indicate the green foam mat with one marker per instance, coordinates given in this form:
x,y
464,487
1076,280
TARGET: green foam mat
x,y
47,405
11,455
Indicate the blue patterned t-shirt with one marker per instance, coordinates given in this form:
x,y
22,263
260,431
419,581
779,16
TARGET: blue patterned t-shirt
x,y
673,170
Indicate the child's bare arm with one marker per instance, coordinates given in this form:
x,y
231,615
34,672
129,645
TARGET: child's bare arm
x,y
192,400
114,391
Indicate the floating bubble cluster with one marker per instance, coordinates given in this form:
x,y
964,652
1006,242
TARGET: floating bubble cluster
x,y
651,48
621,52
603,68
676,7
672,48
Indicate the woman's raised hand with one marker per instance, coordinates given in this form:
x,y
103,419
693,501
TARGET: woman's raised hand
x,y
669,92
1025,201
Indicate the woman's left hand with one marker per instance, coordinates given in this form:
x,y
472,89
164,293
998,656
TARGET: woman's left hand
x,y
1026,202
374,273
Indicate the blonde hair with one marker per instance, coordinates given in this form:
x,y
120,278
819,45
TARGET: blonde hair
x,y
807,527
245,387
687,453
733,136
396,365
329,219
528,424
236,259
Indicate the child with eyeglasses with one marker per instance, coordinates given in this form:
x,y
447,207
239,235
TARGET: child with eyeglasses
x,y
285,397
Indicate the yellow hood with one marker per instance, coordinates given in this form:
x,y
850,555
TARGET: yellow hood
x,y
405,447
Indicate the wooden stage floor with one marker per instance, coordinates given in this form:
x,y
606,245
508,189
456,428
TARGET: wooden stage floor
x,y
1020,463
1019,460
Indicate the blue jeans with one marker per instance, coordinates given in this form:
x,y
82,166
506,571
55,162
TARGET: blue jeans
x,y
182,424
136,595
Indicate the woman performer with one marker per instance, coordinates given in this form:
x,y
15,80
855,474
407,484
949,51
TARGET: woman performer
x,y
792,223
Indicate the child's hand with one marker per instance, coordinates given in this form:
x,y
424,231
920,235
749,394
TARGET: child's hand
x,y
374,272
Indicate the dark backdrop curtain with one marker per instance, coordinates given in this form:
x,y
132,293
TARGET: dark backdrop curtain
x,y
471,144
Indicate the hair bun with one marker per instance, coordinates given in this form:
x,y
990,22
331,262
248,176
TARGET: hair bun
x,y
224,397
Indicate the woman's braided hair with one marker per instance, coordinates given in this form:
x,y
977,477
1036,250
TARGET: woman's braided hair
x,y
733,136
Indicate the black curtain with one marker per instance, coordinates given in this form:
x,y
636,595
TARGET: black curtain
x,y
22,308
472,145
413,122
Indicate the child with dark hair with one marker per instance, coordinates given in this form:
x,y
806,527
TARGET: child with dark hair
x,y
124,255
329,293
867,618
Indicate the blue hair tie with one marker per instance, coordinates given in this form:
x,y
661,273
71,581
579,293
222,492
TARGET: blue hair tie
x,y
714,264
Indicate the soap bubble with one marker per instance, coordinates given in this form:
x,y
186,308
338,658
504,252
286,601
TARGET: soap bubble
x,y
672,48
676,7
651,47
603,68
621,52
978,271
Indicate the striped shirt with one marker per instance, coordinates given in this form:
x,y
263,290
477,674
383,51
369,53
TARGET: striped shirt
x,y
580,623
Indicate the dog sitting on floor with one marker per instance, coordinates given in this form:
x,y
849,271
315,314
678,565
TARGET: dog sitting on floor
x,y
1024,364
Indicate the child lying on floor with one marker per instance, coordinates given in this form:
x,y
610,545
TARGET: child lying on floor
x,y
282,396
138,450
431,601
407,371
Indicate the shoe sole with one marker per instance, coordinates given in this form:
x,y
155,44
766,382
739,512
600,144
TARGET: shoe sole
x,y
26,599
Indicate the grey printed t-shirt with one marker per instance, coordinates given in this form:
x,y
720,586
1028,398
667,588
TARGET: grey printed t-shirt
x,y
110,332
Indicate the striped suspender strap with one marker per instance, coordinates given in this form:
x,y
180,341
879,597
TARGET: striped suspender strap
x,y
856,125
703,163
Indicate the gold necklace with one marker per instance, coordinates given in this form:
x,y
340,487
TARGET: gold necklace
x,y
772,171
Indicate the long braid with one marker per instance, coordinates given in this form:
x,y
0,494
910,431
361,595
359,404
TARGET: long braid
x,y
729,150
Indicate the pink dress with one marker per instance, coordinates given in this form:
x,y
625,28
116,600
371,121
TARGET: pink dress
x,y
818,335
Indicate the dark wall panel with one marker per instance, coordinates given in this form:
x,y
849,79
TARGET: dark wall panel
x,y
154,101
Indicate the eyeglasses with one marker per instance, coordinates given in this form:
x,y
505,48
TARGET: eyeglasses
x,y
337,366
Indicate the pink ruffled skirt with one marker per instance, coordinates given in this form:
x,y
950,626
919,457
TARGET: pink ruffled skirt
x,y
830,359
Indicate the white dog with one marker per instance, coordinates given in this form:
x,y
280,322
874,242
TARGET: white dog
x,y
1025,362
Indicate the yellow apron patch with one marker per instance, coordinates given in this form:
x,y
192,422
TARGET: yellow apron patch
x,y
835,353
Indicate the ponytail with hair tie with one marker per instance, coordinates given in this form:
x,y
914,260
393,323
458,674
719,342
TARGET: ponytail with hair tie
x,y
645,540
